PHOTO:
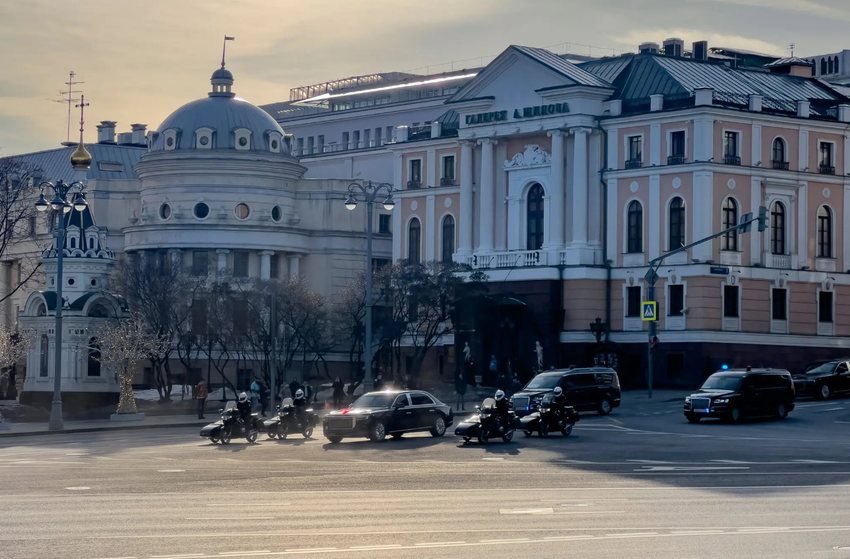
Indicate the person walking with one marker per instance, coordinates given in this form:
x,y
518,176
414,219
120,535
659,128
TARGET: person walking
x,y
202,393
264,398
255,394
293,387
379,384
460,388
338,392
516,384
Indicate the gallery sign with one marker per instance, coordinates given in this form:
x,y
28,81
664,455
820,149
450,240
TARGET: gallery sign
x,y
518,114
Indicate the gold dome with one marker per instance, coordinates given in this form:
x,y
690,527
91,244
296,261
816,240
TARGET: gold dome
x,y
81,158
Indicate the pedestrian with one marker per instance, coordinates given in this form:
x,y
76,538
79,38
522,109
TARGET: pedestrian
x,y
516,384
460,388
338,392
202,393
293,387
255,394
264,398
379,384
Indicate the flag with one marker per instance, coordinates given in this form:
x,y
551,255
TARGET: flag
x,y
226,38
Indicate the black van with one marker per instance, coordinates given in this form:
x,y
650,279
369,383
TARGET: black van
x,y
738,393
589,389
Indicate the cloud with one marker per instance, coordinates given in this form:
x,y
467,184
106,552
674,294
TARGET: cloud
x,y
810,7
637,36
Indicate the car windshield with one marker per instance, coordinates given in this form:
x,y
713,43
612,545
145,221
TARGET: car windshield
x,y
286,402
543,381
822,369
374,401
721,382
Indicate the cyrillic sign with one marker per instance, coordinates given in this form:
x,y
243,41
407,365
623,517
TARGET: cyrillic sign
x,y
525,112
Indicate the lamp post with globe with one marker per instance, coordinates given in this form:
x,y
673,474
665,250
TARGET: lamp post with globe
x,y
369,192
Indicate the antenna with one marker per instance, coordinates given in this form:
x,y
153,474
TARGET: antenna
x,y
791,46
68,98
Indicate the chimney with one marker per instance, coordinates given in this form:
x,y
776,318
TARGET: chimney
x,y
436,129
106,132
648,48
700,51
843,113
401,134
656,102
755,103
674,47
139,131
803,109
703,96
615,107
125,138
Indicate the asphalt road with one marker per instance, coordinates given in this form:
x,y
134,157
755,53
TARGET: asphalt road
x,y
644,475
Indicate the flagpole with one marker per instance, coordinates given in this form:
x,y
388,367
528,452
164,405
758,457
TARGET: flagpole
x,y
224,47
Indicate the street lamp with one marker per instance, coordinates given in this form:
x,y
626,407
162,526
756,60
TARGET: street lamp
x,y
60,201
369,192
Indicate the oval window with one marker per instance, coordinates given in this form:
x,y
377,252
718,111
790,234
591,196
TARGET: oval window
x,y
201,210
274,144
276,213
164,211
204,140
242,211
243,141
169,142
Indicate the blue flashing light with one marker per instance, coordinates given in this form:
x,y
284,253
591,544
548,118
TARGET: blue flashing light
x,y
725,367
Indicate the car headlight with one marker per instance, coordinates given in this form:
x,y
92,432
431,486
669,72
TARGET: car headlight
x,y
721,401
687,399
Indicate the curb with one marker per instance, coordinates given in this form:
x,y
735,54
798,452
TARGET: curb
x,y
99,429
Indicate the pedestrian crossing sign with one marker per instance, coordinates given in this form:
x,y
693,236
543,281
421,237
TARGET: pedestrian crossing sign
x,y
649,311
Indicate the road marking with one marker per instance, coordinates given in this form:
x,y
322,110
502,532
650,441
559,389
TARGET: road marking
x,y
688,468
180,556
732,462
241,553
310,549
512,540
438,544
117,558
567,538
834,409
237,518
695,532
248,505
389,546
80,488
493,459
170,471
527,511
759,530
815,461
649,461
631,534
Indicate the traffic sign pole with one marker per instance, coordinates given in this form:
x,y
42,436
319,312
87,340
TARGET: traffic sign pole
x,y
652,328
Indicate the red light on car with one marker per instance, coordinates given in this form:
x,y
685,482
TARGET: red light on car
x,y
344,412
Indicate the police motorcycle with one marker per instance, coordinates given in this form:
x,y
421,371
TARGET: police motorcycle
x,y
287,422
230,425
549,418
485,425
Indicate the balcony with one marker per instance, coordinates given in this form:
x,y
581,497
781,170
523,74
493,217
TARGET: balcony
x,y
447,181
731,160
413,185
675,159
780,261
633,163
512,259
824,169
780,165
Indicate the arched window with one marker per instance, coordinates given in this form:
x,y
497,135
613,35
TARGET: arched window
x,y
94,358
448,238
824,232
729,241
777,228
823,66
779,150
44,347
635,227
829,66
98,311
835,66
73,242
676,224
414,240
534,218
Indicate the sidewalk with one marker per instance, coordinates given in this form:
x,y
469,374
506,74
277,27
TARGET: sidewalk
x,y
162,421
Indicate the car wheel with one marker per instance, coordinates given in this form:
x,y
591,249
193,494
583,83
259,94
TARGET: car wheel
x,y
214,439
527,433
378,432
465,440
439,428
781,411
566,431
823,392
693,418
396,435
605,406
335,440
735,415
272,434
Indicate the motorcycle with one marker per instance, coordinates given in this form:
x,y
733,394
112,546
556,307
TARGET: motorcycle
x,y
229,425
485,425
287,422
549,418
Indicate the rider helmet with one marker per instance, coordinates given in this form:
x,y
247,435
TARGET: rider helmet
x,y
243,397
558,391
299,394
499,395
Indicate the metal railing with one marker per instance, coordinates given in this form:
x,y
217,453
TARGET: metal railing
x,y
633,163
414,184
826,169
675,159
731,160
447,181
780,165
510,259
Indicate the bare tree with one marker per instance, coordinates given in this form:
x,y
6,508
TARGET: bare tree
x,y
14,346
349,314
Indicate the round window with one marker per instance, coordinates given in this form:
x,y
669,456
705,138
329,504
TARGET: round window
x,y
274,144
243,141
276,213
71,281
94,282
242,211
201,210
169,142
164,211
204,140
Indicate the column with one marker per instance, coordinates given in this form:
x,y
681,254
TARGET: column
x,y
222,260
755,236
556,196
487,199
432,174
266,264
294,260
429,227
501,227
398,163
655,242
580,187
614,217
703,216
655,145
465,218
800,243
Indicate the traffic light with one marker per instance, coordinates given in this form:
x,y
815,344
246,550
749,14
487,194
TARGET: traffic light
x,y
762,218
653,343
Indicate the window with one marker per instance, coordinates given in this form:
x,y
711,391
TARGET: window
x,y
42,356
448,238
299,146
345,140
777,228
534,218
677,300
242,211
677,143
448,177
244,377
240,264
823,66
635,152
321,147
378,140
356,139
827,166
274,266
730,148
420,400
310,145
366,140
730,301
200,263
93,369
780,312
389,134
201,210
379,263
239,313
635,227
633,304
416,170
384,222
779,161
198,317
32,226
824,306
277,213
729,241
824,232
676,224
414,235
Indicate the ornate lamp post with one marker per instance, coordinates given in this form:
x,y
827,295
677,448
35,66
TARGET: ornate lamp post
x,y
598,328
369,192
60,203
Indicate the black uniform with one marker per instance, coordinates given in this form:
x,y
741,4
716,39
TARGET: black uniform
x,y
561,402
300,405
503,412
244,409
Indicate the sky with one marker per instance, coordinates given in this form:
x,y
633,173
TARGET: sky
x,y
140,60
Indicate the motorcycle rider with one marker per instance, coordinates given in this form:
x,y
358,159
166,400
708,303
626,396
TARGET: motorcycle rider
x,y
300,404
503,411
560,400
243,407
